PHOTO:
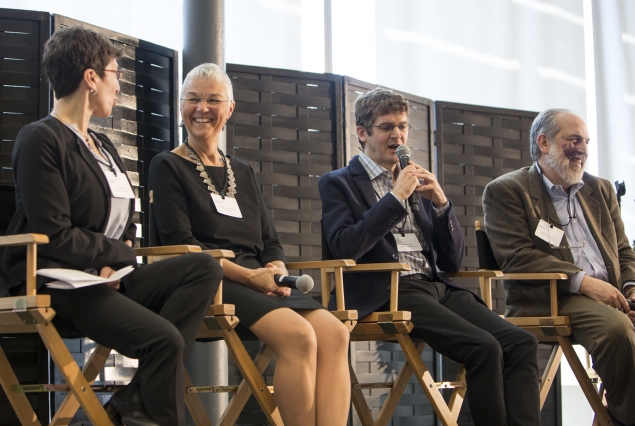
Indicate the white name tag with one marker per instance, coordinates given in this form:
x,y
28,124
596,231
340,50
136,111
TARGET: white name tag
x,y
549,233
409,242
119,185
227,206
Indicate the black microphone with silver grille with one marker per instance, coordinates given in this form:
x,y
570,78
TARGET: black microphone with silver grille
x,y
403,153
304,283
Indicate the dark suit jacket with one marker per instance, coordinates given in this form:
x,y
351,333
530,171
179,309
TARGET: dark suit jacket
x,y
358,227
513,205
62,192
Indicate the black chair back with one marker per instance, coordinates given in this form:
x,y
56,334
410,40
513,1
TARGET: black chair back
x,y
486,259
7,207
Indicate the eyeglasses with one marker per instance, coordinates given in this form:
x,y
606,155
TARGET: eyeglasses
x,y
210,102
388,128
118,71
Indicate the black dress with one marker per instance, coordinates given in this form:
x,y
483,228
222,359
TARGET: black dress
x,y
185,214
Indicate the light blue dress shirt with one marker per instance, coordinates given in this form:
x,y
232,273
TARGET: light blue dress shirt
x,y
585,251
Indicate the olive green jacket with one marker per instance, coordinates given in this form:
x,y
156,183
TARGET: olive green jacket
x,y
513,204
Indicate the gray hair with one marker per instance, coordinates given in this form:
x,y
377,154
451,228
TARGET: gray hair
x,y
546,123
207,72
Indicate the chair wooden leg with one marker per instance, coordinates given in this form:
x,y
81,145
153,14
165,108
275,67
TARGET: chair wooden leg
x,y
359,402
458,394
425,380
238,401
72,374
70,405
398,388
252,377
549,374
19,401
194,404
583,379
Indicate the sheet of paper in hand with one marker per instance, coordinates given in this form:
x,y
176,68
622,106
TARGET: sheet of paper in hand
x,y
68,279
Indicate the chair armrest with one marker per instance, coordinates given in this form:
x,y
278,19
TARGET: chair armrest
x,y
319,264
23,239
533,276
553,277
378,267
220,254
473,274
393,268
167,250
30,241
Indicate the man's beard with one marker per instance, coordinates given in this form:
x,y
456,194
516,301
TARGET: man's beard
x,y
558,161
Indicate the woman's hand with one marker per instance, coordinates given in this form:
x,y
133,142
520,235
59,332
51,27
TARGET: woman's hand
x,y
261,279
106,272
128,243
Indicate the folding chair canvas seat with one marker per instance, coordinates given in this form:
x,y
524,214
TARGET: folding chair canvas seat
x,y
553,329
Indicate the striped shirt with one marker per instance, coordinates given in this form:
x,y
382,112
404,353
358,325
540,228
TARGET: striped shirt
x,y
383,185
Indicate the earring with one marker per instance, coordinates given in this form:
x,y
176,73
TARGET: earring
x,y
181,124
93,92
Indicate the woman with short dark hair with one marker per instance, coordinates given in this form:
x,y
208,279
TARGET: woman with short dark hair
x,y
71,185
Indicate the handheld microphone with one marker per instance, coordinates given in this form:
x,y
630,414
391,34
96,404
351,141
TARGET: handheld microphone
x,y
403,153
304,283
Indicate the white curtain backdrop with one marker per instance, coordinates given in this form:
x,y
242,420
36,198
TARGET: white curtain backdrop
x,y
614,40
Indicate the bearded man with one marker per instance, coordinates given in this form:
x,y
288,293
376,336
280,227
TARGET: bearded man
x,y
554,217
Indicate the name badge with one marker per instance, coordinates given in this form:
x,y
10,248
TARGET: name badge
x,y
119,185
549,233
227,206
409,242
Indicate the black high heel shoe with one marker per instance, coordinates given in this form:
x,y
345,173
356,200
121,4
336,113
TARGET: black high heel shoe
x,y
128,412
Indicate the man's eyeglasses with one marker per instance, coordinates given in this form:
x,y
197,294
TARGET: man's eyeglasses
x,y
211,102
118,71
388,128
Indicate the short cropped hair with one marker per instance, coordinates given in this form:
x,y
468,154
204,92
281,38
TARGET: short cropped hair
x,y
209,71
376,103
71,51
546,123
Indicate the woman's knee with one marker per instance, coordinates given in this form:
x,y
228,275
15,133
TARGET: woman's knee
x,y
299,341
336,338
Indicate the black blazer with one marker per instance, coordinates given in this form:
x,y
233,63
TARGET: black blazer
x,y
358,227
62,192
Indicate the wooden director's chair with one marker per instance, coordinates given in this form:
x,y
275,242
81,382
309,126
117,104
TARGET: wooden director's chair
x,y
393,325
32,313
220,323
553,329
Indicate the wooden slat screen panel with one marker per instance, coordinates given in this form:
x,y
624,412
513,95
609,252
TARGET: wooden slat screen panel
x,y
24,96
144,121
476,145
24,99
287,126
420,135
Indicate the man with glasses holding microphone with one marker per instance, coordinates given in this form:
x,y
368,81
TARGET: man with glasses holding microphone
x,y
375,211
553,217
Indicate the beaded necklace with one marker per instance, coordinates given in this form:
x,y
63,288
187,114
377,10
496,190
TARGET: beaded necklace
x,y
230,183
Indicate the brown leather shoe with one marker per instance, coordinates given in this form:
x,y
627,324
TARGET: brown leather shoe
x,y
128,412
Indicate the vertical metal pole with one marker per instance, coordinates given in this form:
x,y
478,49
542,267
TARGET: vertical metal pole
x,y
203,41
204,37
328,37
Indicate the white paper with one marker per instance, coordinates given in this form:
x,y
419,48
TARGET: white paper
x,y
409,242
549,233
227,206
119,185
68,279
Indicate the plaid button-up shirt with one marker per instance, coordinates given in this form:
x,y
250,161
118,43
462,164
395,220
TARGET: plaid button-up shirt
x,y
383,185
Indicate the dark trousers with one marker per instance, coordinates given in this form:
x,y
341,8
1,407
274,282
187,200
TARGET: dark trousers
x,y
154,317
500,359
